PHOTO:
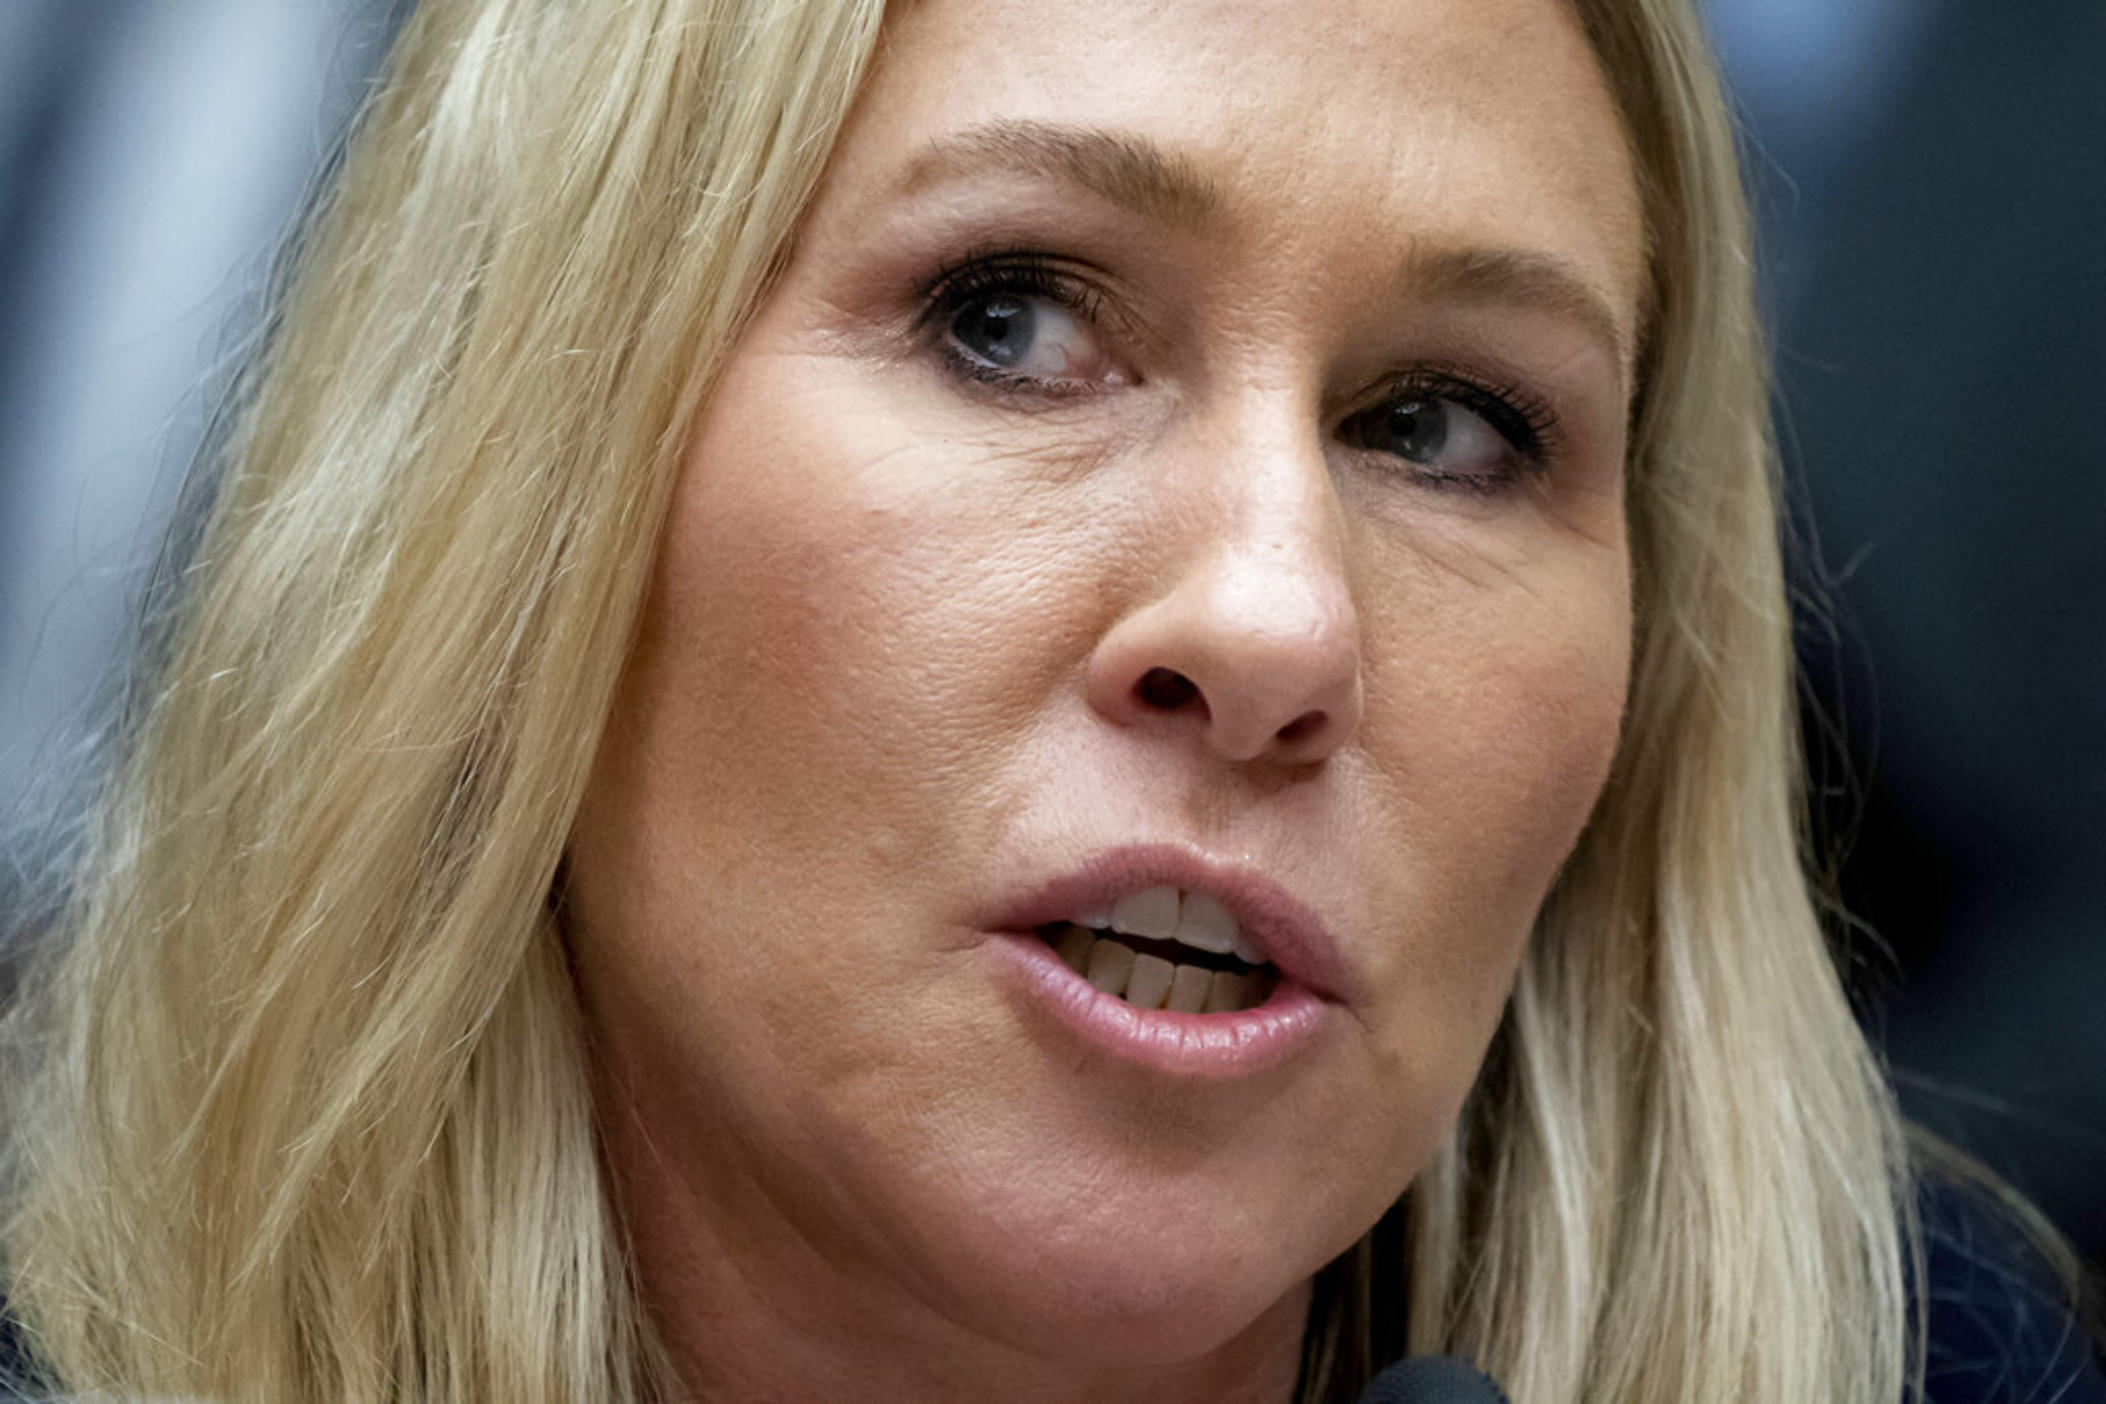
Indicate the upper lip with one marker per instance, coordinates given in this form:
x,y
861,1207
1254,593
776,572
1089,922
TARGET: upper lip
x,y
1280,924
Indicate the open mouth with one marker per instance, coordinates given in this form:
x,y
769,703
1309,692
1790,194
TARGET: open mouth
x,y
1166,949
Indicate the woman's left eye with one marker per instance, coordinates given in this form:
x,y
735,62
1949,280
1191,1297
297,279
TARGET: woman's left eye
x,y
1453,435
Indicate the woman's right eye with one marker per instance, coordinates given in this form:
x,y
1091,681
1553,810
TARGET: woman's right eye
x,y
1029,338
1016,328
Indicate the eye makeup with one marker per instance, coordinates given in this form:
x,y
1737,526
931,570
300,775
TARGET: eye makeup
x,y
1447,424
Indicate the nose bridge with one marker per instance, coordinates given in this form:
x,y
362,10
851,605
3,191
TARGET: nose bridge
x,y
1275,557
1252,641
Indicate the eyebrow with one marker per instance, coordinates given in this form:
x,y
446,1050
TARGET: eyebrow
x,y
1129,171
1473,274
1137,175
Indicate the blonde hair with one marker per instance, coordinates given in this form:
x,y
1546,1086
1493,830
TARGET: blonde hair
x,y
298,1103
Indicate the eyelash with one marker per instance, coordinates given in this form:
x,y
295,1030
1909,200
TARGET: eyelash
x,y
1523,419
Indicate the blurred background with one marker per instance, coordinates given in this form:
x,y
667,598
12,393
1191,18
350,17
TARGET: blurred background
x,y
1930,180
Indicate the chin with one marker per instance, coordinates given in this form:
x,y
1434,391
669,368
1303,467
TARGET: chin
x,y
1149,1276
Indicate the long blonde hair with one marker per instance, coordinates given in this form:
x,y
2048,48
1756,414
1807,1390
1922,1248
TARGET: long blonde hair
x,y
298,1107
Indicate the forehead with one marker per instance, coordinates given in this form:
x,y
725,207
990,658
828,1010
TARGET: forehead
x,y
1295,124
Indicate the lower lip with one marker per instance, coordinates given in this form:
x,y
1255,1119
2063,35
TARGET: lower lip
x,y
1197,1046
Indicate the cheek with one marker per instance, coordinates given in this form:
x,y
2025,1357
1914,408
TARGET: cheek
x,y
1496,688
1497,661
841,644
852,625
1501,757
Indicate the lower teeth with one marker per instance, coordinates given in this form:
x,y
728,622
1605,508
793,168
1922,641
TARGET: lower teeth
x,y
1151,982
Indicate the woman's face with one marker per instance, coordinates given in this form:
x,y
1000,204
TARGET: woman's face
x,y
1178,476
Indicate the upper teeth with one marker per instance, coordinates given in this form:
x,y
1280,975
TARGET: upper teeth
x,y
1188,918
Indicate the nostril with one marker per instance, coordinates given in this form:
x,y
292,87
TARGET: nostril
x,y
1167,689
1304,725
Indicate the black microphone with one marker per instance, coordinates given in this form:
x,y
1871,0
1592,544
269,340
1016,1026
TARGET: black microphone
x,y
1433,1379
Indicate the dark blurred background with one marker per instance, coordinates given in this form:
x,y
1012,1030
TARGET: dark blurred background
x,y
1930,178
1930,182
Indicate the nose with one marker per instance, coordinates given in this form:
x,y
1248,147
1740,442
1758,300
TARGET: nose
x,y
1252,644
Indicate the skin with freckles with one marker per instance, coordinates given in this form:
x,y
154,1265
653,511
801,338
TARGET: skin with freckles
x,y
1177,424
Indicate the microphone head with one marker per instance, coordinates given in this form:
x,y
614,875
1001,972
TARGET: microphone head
x,y
1433,1379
